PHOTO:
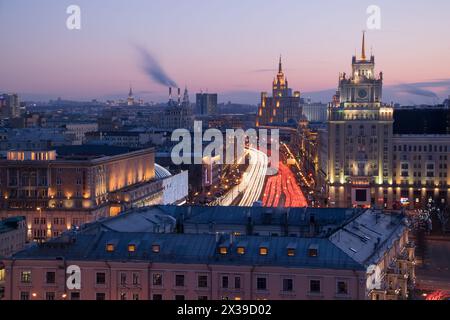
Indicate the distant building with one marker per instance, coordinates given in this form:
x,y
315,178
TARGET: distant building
x,y
178,114
283,107
118,138
9,106
79,130
34,139
417,120
13,235
206,103
368,257
315,112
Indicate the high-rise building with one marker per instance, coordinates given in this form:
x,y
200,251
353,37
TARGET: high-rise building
x,y
372,163
360,135
9,106
206,103
283,106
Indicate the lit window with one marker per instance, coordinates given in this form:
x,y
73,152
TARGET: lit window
x,y
223,250
241,250
156,248
109,247
263,251
131,248
291,252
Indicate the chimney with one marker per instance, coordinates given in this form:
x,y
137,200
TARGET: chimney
x,y
179,96
170,93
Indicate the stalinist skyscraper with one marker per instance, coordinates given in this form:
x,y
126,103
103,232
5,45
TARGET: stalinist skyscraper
x,y
360,129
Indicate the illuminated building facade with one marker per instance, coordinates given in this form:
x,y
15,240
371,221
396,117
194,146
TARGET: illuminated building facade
x,y
360,136
370,165
73,185
283,106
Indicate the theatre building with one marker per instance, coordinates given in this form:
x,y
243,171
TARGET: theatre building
x,y
63,188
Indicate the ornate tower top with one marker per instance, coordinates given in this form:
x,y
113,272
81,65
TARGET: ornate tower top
x,y
363,48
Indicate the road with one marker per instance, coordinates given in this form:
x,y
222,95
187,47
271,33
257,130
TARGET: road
x,y
253,178
435,274
252,182
282,190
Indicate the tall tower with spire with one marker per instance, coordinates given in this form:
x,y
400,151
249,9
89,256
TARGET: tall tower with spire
x,y
360,130
130,99
283,106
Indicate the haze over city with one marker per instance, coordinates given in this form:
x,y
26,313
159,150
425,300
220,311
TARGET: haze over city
x,y
219,46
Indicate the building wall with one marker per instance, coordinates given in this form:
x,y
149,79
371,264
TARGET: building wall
x,y
141,283
315,112
14,239
74,192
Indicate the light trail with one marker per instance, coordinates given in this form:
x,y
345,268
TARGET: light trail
x,y
254,179
283,185
251,184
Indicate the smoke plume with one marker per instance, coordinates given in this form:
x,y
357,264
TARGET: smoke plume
x,y
153,69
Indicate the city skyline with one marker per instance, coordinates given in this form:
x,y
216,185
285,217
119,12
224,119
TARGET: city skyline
x,y
59,62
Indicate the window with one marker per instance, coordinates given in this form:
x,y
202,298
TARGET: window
x,y
101,278
157,279
179,297
49,296
131,248
135,296
135,278
202,297
291,252
223,250
50,277
263,251
157,297
202,281
25,277
225,282
74,296
342,287
261,283
241,250
123,296
156,248
179,280
101,296
110,247
314,286
24,295
123,278
237,282
288,285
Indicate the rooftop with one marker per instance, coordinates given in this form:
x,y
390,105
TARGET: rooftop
x,y
91,150
369,235
193,249
10,224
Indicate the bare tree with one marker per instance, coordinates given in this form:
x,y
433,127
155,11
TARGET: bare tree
x,y
443,216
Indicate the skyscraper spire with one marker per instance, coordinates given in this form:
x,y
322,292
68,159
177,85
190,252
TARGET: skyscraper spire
x,y
130,94
280,68
363,49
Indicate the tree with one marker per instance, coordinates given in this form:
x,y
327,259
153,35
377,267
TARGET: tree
x,y
443,215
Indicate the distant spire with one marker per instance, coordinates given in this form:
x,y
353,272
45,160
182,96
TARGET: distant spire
x,y
363,49
130,94
280,68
